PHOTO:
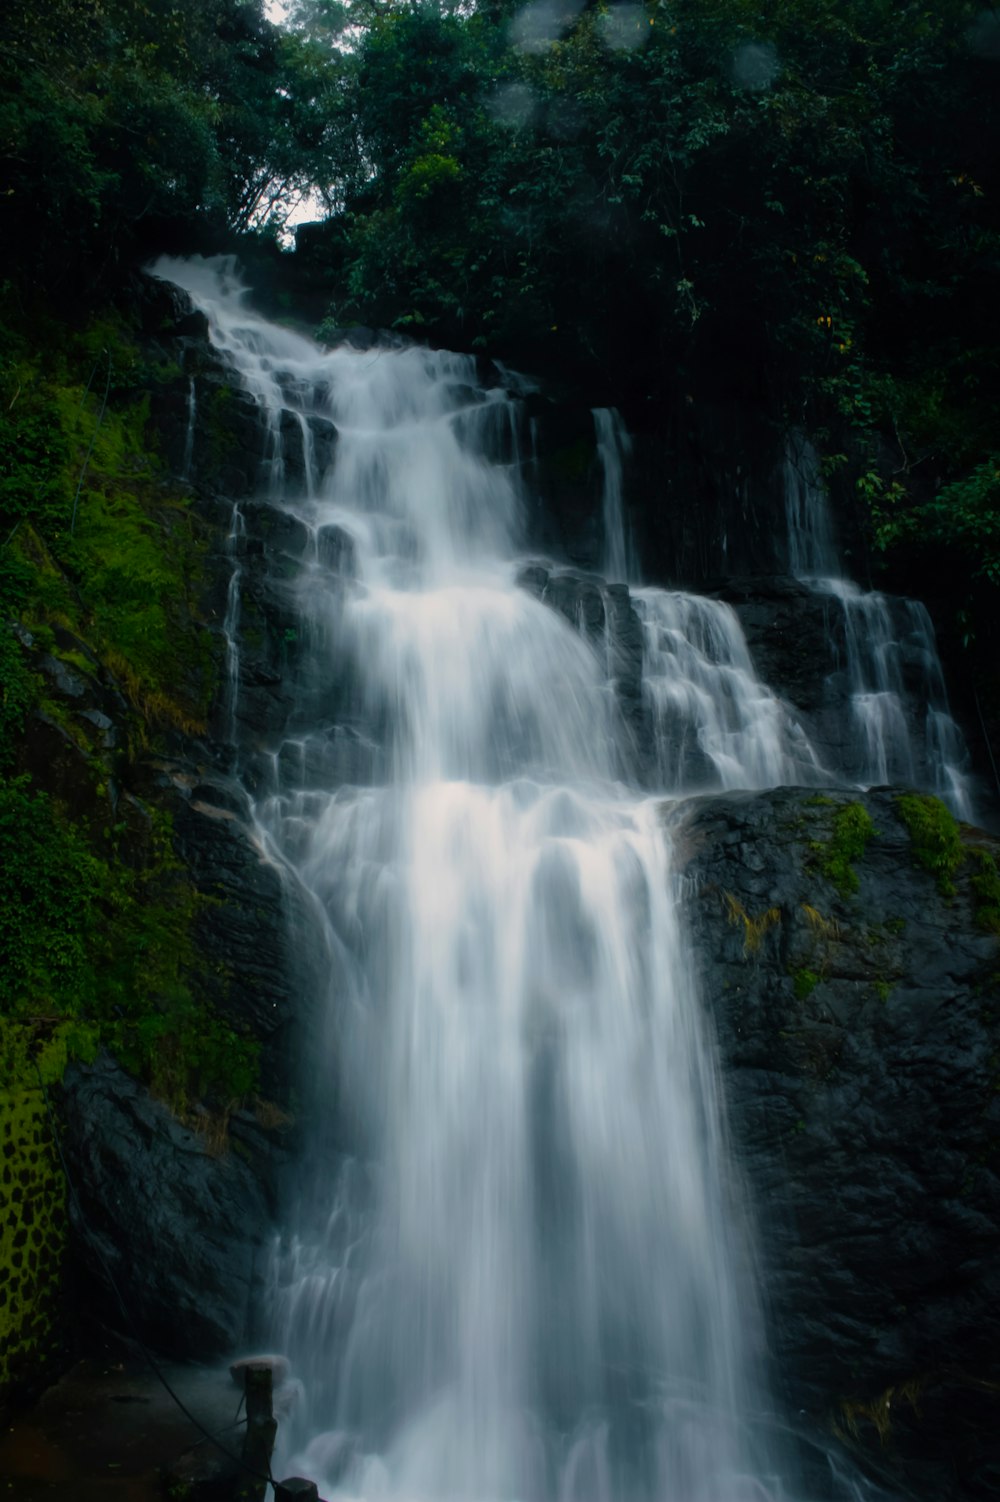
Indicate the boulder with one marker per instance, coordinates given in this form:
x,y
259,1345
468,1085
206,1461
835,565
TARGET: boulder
x,y
175,1233
859,1033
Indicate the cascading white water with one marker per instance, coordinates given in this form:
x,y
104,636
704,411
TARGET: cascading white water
x,y
812,550
527,1278
715,724
885,641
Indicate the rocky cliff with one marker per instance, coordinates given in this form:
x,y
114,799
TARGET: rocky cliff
x,y
847,943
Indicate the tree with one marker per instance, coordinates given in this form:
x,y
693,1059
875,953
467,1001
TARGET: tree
x,y
120,119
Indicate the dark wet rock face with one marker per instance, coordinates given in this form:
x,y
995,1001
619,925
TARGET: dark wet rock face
x,y
605,615
860,1038
335,549
789,629
180,1230
241,925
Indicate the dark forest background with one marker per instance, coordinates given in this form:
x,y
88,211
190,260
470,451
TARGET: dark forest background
x,y
789,206
784,199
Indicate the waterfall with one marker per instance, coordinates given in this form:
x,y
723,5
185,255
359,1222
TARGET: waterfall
x,y
812,551
517,1267
192,419
231,620
714,723
888,667
613,448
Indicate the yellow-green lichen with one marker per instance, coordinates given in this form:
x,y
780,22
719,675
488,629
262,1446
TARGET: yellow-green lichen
x,y
754,928
32,1239
880,1410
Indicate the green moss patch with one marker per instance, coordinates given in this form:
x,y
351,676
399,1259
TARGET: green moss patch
x,y
935,840
804,982
852,829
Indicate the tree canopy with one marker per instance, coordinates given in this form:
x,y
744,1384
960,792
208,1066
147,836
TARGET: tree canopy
x,y
788,199
122,121
658,203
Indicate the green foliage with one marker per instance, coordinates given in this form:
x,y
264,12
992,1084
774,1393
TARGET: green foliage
x,y
38,1054
123,573
120,119
985,885
935,840
18,691
706,164
852,829
53,899
963,517
33,447
95,946
103,953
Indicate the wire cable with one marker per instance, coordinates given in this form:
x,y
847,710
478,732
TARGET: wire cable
x,y
146,1352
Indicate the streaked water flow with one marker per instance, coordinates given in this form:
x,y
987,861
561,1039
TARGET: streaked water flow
x,y
522,1274
613,448
715,724
888,669
192,418
231,621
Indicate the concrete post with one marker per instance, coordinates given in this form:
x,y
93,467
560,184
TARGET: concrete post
x,y
258,1440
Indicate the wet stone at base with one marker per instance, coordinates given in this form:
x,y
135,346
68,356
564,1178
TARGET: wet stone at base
x,y
296,1489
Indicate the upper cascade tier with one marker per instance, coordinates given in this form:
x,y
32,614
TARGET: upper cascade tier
x,y
348,437
884,658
